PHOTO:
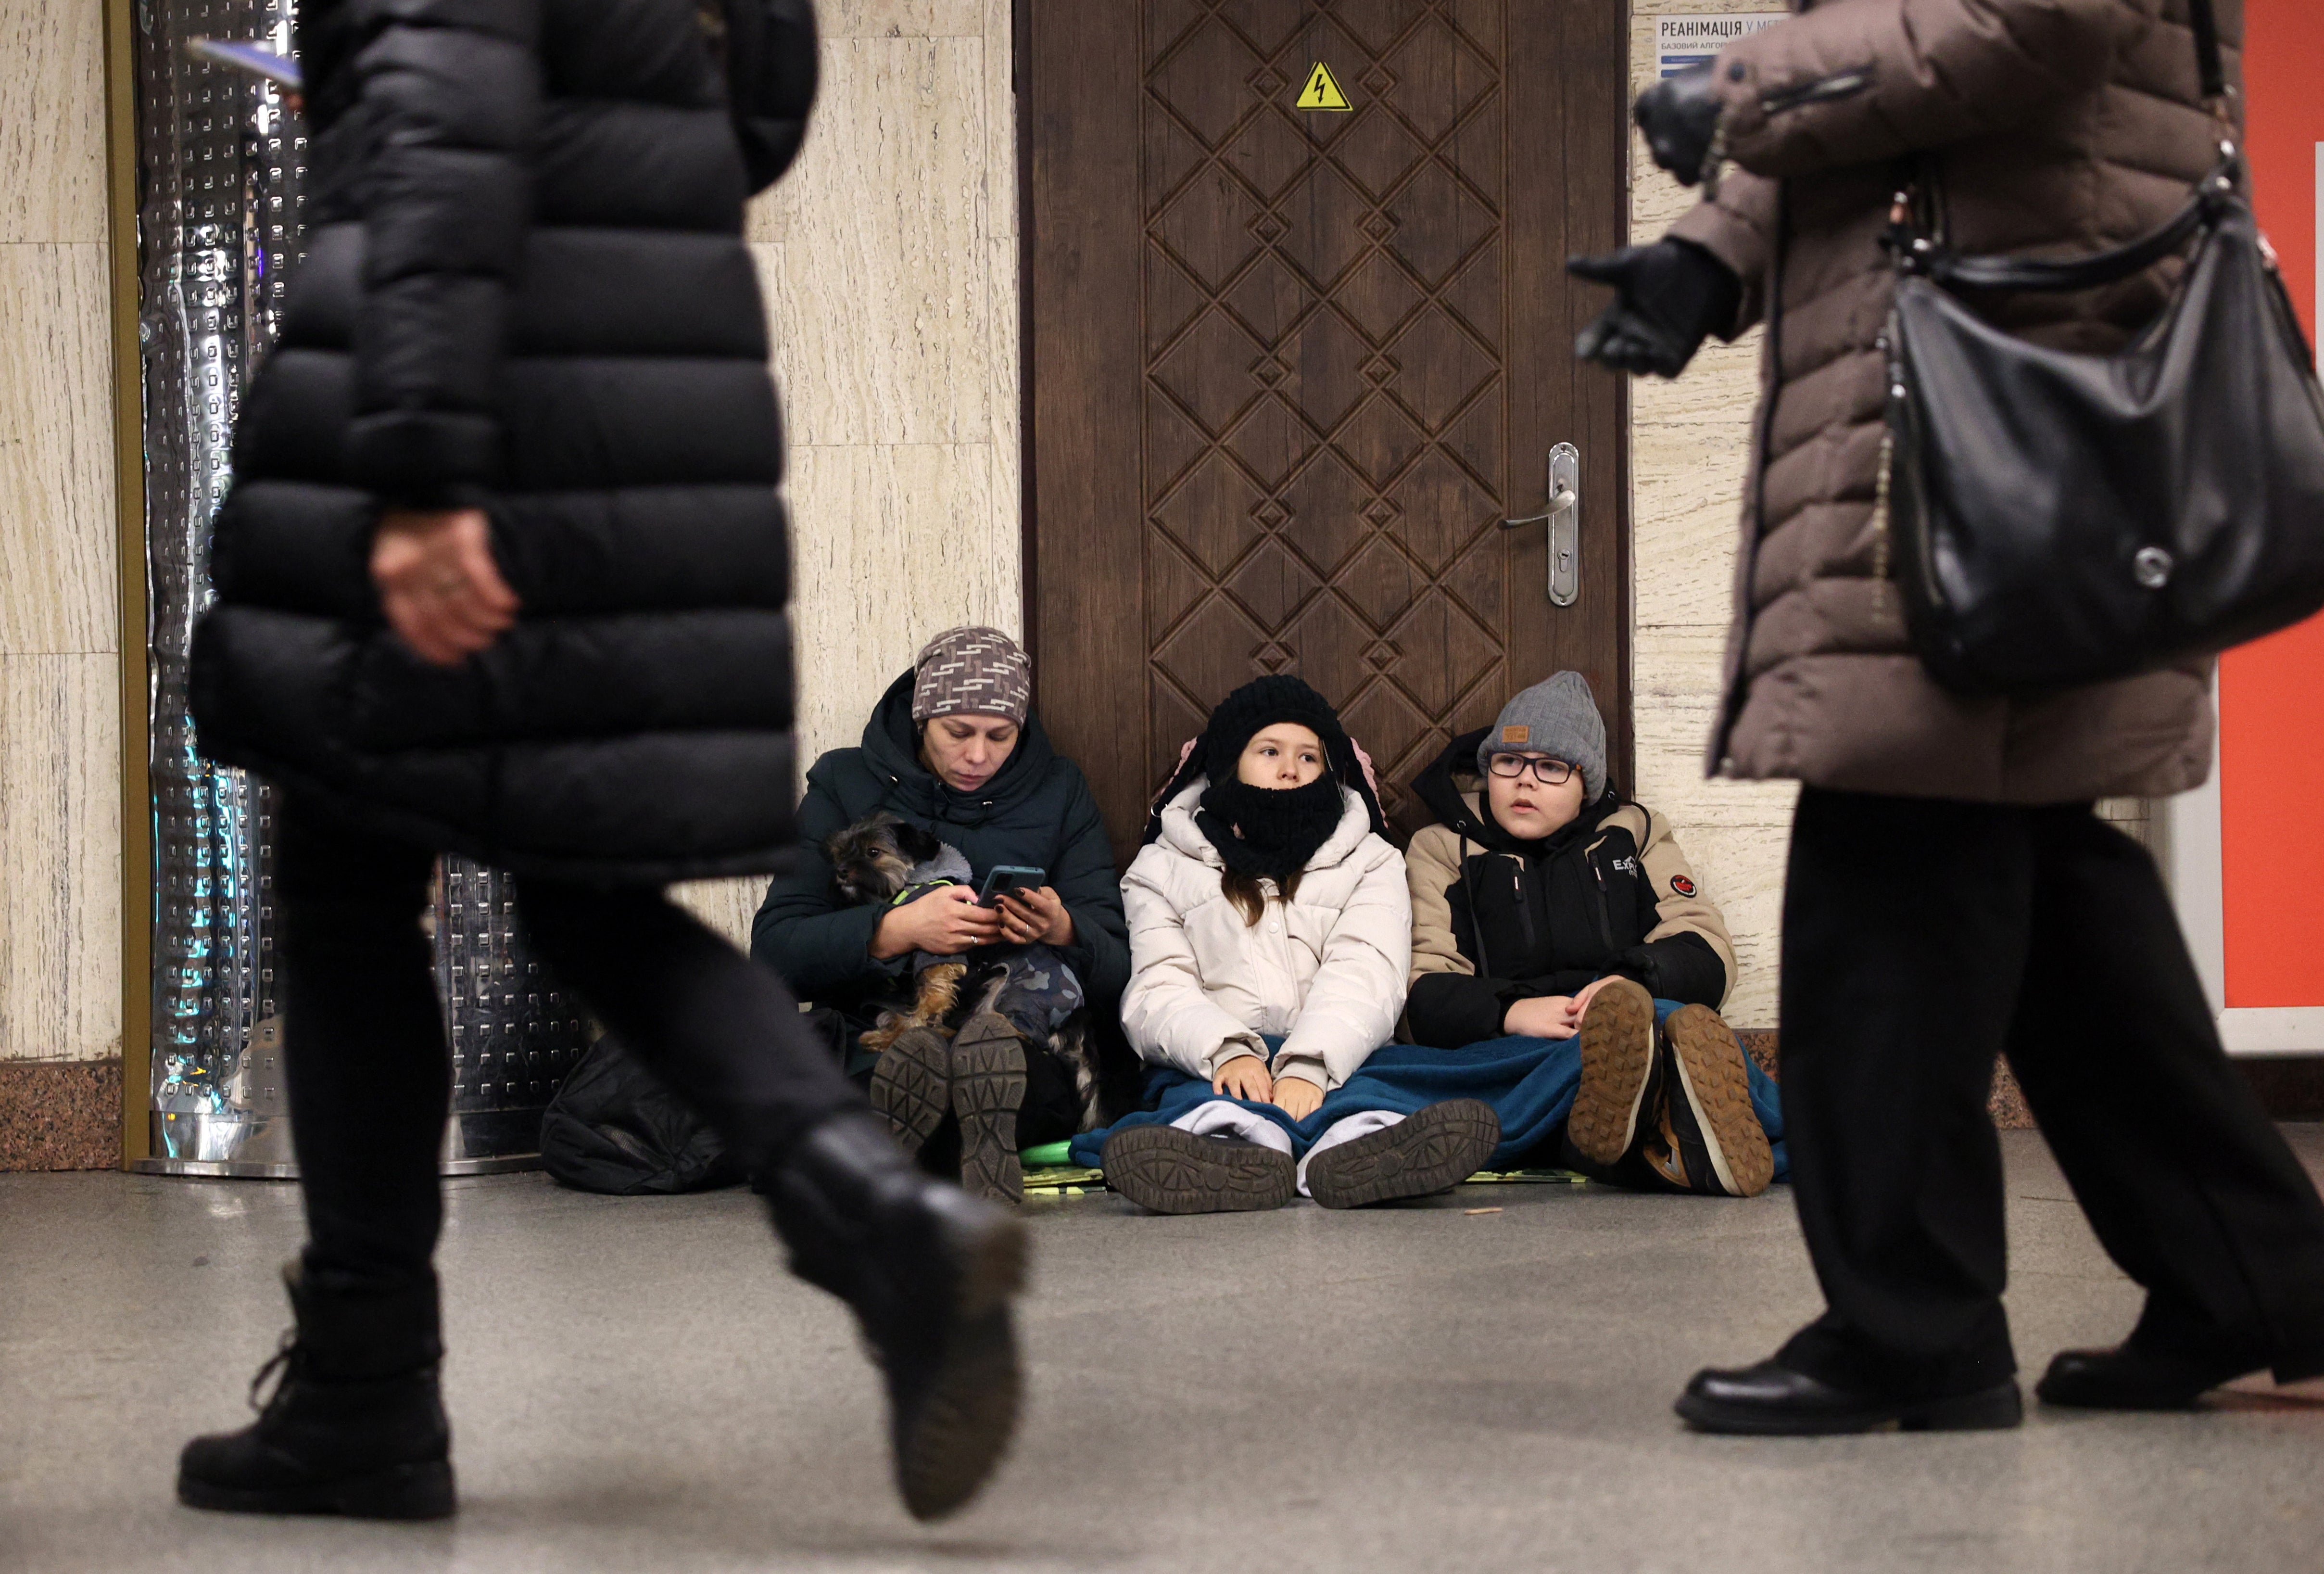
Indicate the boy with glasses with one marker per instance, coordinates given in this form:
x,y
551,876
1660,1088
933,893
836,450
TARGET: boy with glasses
x,y
1545,906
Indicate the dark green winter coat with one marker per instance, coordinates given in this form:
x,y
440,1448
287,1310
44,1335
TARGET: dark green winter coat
x,y
1036,811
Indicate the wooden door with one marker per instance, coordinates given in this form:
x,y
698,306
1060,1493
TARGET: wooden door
x,y
1289,369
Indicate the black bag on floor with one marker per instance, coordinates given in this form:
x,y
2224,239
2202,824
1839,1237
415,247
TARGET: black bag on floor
x,y
614,1128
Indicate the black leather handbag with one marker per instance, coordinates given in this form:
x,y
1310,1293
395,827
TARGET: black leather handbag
x,y
2061,519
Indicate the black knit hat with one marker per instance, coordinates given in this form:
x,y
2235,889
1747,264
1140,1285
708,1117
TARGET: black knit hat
x,y
1259,704
1262,703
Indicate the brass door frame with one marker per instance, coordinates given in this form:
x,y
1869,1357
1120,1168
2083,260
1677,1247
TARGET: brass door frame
x,y
129,493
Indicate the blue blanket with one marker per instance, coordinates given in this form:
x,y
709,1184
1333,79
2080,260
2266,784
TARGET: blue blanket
x,y
1529,1082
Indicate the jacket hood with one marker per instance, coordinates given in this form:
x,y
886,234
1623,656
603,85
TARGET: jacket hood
x,y
1182,836
1455,795
891,746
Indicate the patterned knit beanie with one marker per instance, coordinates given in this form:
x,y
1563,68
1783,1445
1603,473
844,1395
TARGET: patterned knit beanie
x,y
972,671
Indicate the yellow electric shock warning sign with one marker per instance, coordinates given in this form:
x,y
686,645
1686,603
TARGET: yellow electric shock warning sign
x,y
1321,92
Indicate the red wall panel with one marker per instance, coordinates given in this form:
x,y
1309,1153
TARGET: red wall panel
x,y
2271,693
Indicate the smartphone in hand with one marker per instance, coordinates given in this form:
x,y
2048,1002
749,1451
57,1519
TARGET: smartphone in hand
x,y
1002,879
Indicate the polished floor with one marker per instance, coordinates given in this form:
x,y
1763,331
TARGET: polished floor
x,y
637,1386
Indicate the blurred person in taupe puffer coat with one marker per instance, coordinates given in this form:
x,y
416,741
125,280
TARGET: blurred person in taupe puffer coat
x,y
505,573
1951,895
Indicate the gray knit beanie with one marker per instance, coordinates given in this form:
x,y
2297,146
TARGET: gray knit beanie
x,y
972,671
1557,716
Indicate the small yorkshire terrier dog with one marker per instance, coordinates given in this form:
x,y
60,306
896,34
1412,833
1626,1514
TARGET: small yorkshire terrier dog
x,y
879,858
875,861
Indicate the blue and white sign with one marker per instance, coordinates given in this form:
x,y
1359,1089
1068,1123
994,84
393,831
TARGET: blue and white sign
x,y
1683,43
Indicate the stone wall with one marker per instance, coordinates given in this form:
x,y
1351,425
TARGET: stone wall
x,y
889,257
1689,441
889,260
60,650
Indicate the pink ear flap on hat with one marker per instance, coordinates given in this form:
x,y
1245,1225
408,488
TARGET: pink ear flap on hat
x,y
1185,750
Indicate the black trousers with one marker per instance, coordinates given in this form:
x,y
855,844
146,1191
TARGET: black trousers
x,y
1923,938
369,1073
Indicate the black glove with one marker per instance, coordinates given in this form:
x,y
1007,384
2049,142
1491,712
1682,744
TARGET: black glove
x,y
1680,116
1672,293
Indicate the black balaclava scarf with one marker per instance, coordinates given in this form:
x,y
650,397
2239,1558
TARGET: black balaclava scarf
x,y
1269,832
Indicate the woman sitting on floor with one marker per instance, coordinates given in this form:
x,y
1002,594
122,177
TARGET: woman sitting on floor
x,y
1544,907
1270,937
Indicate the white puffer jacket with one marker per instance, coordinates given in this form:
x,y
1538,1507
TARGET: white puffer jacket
x,y
1326,970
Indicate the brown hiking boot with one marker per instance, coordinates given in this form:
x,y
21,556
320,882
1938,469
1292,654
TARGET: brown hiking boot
x,y
1617,1068
1709,1139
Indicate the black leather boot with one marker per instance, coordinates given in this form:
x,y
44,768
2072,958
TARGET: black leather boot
x,y
2175,1357
930,1271
355,1424
1773,1399
2129,1378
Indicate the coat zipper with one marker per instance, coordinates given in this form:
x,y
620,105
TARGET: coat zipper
x,y
1845,85
1476,920
1605,916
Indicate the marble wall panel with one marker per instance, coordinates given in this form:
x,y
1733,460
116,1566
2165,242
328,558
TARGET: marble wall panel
x,y
870,249
60,823
1003,346
894,545
52,121
901,18
889,261
726,905
1689,443
893,542
57,522
1741,867
59,731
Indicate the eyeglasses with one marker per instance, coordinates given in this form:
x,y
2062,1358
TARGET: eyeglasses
x,y
1548,773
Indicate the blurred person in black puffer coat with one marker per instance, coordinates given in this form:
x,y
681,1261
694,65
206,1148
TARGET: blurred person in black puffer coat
x,y
503,573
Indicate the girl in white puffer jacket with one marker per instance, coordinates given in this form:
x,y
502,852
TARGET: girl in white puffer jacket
x,y
1270,939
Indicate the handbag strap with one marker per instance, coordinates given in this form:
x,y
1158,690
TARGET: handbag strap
x,y
2208,60
2204,209
1917,252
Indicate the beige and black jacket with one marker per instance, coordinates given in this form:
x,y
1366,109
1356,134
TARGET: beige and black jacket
x,y
1496,919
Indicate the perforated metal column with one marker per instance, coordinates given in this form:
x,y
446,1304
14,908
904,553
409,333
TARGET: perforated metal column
x,y
515,1032
220,167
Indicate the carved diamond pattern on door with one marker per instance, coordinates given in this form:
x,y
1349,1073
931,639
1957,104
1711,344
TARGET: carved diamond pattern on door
x,y
1346,377
1287,371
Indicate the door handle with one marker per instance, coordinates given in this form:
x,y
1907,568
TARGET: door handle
x,y
1564,516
